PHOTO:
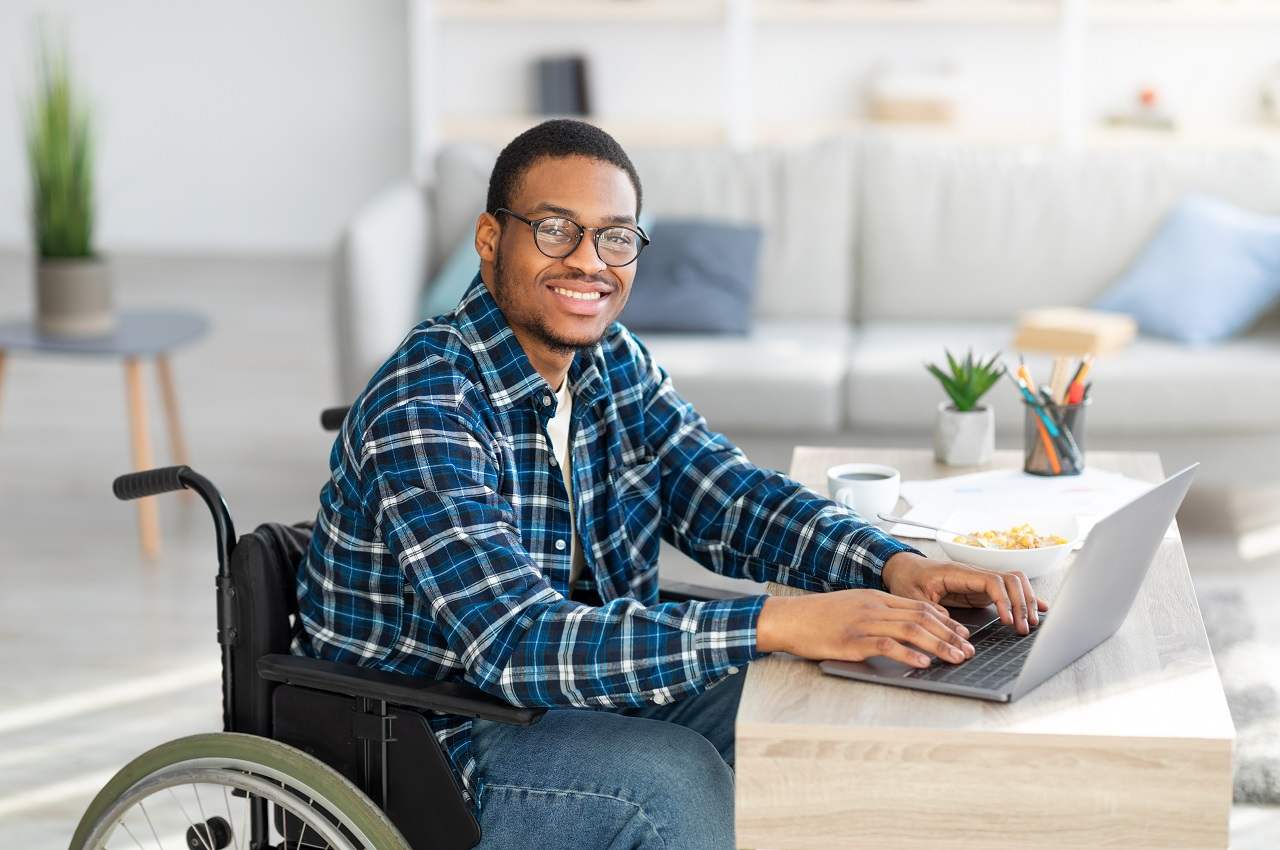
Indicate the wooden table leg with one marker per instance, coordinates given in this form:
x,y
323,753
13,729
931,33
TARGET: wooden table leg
x,y
177,444
140,436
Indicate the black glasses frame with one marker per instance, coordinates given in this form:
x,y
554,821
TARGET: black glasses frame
x,y
595,239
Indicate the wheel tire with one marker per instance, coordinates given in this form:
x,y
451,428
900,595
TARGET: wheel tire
x,y
343,799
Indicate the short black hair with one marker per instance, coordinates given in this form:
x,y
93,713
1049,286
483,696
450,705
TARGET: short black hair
x,y
555,138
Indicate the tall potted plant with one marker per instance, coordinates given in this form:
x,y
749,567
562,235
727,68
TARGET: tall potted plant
x,y
73,286
965,433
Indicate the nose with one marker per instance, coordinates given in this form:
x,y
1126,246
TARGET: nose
x,y
585,258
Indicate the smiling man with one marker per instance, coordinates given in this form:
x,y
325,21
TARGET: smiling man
x,y
497,498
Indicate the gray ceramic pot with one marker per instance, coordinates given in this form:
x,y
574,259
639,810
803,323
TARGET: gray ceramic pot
x,y
73,298
964,439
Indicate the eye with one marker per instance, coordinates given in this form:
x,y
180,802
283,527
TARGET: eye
x,y
557,229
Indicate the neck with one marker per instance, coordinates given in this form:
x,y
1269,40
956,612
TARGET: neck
x,y
552,365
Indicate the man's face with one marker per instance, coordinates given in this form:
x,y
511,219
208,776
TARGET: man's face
x,y
533,289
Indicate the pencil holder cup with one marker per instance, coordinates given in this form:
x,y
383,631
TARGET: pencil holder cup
x,y
1046,453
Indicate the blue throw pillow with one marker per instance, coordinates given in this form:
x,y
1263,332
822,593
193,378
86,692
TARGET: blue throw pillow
x,y
445,290
1207,274
696,276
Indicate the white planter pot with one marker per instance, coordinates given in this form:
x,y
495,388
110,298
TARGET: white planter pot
x,y
73,298
964,439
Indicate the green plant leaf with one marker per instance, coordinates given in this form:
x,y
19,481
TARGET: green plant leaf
x,y
59,146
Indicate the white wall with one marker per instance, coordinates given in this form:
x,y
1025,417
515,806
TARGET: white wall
x,y
233,125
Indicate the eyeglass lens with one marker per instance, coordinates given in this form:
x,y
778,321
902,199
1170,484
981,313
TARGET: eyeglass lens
x,y
558,237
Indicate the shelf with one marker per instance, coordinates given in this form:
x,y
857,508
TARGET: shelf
x,y
1184,11
581,11
907,11
1204,138
856,11
499,130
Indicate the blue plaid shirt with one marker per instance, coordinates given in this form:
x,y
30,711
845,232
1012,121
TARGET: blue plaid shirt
x,y
441,547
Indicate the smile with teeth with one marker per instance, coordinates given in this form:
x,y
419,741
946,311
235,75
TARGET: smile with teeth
x,y
579,296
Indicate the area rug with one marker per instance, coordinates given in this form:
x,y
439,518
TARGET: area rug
x,y
1250,671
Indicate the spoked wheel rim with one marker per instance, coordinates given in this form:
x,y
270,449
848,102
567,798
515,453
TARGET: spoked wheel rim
x,y
129,823
197,793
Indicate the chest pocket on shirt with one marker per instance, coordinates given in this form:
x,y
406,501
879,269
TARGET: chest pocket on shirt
x,y
638,490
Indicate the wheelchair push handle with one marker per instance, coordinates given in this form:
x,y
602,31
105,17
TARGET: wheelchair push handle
x,y
150,482
331,417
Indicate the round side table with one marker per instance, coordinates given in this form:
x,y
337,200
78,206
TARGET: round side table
x,y
138,334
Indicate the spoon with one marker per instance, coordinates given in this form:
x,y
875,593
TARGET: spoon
x,y
916,523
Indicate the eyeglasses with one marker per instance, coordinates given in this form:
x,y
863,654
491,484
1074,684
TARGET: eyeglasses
x,y
558,237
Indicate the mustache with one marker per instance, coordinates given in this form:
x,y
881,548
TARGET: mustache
x,y
580,278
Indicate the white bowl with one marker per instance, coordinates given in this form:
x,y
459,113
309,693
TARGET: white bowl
x,y
1032,562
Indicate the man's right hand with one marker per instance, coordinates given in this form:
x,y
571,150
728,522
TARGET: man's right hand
x,y
853,625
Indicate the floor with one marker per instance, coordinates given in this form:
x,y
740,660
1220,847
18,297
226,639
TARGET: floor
x,y
105,655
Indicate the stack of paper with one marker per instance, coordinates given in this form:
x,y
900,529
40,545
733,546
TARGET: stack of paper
x,y
1089,496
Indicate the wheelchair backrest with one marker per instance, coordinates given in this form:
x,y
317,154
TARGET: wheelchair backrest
x,y
264,566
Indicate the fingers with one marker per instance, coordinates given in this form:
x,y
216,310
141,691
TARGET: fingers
x,y
999,594
1018,603
1033,604
941,625
902,602
931,635
866,647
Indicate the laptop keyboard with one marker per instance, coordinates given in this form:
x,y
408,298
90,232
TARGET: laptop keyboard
x,y
999,652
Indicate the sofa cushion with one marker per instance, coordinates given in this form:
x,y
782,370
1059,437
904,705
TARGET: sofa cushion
x,y
1152,386
782,376
1211,271
698,276
952,231
802,198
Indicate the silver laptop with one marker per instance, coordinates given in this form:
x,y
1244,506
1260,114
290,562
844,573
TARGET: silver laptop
x,y
1093,601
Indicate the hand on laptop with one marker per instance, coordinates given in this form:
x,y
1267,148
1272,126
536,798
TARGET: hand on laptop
x,y
960,585
853,625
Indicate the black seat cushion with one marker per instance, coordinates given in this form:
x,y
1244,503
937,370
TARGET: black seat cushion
x,y
264,566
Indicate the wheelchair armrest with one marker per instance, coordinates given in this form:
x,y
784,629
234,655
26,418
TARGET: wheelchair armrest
x,y
396,688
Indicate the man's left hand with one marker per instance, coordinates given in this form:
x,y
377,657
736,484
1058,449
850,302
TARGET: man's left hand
x,y
960,585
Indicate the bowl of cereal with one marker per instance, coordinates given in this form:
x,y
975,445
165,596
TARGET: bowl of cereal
x,y
1035,544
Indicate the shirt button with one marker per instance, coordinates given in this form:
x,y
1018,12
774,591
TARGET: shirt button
x,y
559,545
553,460
733,670
660,699
546,401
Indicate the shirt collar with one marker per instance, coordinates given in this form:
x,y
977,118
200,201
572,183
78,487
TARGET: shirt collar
x,y
507,373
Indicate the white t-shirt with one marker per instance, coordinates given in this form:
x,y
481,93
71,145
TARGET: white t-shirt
x,y
558,431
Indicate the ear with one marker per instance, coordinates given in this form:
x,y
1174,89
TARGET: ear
x,y
488,232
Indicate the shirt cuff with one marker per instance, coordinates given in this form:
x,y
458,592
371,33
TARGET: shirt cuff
x,y
725,639
869,555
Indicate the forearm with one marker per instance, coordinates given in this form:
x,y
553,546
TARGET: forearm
x,y
564,654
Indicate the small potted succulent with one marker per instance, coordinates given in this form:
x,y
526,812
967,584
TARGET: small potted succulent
x,y
73,285
965,433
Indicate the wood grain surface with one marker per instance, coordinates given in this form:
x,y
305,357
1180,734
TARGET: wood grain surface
x,y
1130,746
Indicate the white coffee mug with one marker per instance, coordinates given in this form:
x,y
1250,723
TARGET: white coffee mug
x,y
869,489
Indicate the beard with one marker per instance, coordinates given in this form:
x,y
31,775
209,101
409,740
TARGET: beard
x,y
506,292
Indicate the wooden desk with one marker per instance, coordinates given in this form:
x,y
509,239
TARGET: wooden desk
x,y
1128,747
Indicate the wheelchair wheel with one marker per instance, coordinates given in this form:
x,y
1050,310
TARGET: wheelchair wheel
x,y
204,792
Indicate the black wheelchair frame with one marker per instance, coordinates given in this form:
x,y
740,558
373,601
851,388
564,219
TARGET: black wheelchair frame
x,y
368,725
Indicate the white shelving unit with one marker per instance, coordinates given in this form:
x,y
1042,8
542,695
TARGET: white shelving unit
x,y
734,30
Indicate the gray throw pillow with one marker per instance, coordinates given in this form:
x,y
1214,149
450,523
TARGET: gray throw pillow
x,y
696,276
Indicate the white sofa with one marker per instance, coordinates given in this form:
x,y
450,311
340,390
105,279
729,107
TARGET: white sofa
x,y
878,252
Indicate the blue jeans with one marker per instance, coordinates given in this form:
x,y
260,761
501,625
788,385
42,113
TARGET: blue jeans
x,y
658,776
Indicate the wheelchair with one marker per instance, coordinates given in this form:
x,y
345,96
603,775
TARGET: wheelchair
x,y
312,754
